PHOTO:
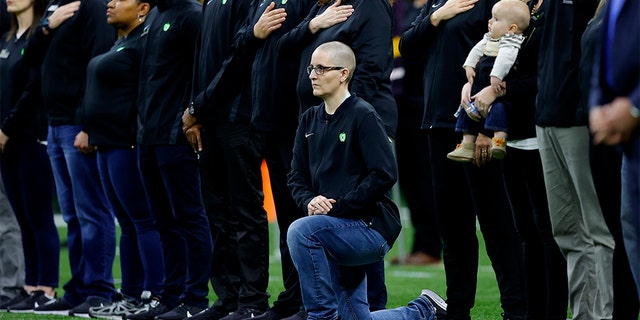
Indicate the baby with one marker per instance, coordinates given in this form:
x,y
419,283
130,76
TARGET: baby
x,y
491,59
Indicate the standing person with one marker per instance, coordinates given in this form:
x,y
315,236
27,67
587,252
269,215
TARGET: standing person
x,y
24,163
449,29
606,162
545,276
578,225
169,169
342,169
414,177
11,265
230,152
615,95
71,33
275,114
365,26
109,116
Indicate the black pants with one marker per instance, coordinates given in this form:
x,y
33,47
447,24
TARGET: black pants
x,y
462,192
606,163
233,198
545,269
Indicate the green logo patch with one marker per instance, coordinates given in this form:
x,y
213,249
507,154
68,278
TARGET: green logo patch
x,y
120,49
166,27
342,137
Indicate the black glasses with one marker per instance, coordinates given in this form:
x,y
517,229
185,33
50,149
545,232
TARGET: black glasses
x,y
321,69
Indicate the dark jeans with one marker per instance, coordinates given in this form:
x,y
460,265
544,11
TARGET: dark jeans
x,y
606,163
545,269
28,181
496,120
91,232
172,184
141,260
414,177
462,192
233,195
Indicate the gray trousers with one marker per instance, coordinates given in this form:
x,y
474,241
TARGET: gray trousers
x,y
11,255
578,225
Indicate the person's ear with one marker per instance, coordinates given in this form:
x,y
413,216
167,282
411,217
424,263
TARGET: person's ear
x,y
143,9
513,28
345,75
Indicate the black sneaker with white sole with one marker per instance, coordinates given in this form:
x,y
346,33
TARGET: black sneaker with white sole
x,y
210,314
438,303
54,306
35,299
182,311
243,313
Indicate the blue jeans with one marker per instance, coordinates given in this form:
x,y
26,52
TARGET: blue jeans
x,y
27,176
325,249
172,183
140,255
630,214
90,225
496,120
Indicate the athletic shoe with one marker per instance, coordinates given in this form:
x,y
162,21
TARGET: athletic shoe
x,y
498,147
116,311
149,310
182,311
35,299
82,310
6,302
438,303
243,313
300,315
54,306
464,152
210,314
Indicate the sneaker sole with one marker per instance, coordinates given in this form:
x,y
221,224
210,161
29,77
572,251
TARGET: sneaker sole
x,y
20,311
53,312
436,300
81,315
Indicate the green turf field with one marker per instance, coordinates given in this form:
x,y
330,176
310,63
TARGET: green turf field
x,y
403,283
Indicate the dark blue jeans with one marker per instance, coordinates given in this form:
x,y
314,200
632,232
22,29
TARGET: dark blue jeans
x,y
140,255
496,120
28,180
91,232
172,184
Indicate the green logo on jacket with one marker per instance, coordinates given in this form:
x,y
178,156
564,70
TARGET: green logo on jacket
x,y
342,136
166,26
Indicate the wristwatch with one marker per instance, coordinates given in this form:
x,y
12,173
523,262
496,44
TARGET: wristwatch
x,y
192,108
635,112
45,24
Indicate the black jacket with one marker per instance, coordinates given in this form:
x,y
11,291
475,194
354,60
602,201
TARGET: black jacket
x,y
368,31
522,82
273,80
166,71
110,112
346,156
446,47
558,88
222,74
22,113
67,50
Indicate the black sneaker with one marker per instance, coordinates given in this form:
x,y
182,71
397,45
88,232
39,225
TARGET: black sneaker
x,y
6,302
300,315
149,310
82,310
243,313
210,314
438,303
269,315
182,311
27,305
54,306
